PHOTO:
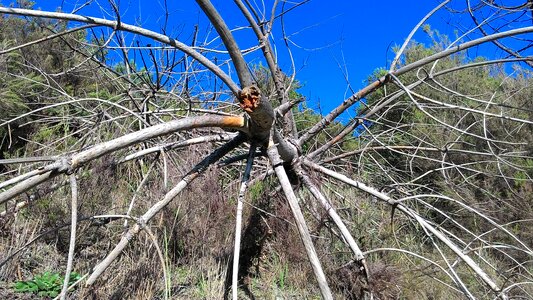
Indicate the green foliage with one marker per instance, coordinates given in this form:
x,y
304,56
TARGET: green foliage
x,y
520,178
256,190
47,284
308,117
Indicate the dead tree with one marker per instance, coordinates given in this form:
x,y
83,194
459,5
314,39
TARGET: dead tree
x,y
467,147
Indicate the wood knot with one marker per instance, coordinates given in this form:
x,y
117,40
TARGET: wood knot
x,y
249,98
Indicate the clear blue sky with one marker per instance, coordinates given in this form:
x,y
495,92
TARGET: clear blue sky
x,y
357,35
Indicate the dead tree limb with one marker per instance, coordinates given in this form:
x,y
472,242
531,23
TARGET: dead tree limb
x,y
238,221
315,191
157,207
412,214
277,164
68,164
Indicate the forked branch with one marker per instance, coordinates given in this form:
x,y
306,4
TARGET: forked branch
x,y
412,214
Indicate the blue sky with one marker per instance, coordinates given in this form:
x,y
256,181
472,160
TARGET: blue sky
x,y
329,39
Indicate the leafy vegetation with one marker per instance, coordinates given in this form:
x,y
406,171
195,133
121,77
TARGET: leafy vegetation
x,y
47,284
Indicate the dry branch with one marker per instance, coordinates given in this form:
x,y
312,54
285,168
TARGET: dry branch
x,y
238,221
77,160
385,79
157,207
277,164
116,25
147,101
73,224
250,97
412,214
359,257
277,77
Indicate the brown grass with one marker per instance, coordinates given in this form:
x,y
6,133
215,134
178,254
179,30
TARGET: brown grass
x,y
195,233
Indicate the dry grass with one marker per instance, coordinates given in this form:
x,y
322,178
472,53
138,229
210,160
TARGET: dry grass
x,y
195,233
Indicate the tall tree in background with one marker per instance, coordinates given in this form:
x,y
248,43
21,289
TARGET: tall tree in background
x,y
443,150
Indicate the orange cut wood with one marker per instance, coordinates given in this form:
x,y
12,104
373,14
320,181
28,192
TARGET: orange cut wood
x,y
233,122
249,98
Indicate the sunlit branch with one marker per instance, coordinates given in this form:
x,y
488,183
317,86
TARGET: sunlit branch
x,y
130,28
245,77
238,221
72,243
412,214
277,164
385,79
359,257
157,207
72,162
400,52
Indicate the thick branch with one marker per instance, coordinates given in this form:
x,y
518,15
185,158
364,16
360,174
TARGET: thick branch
x,y
381,81
227,38
144,219
415,29
251,99
72,243
359,257
277,163
340,109
238,221
261,113
277,78
412,214
77,160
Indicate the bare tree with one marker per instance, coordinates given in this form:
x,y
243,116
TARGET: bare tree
x,y
425,139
